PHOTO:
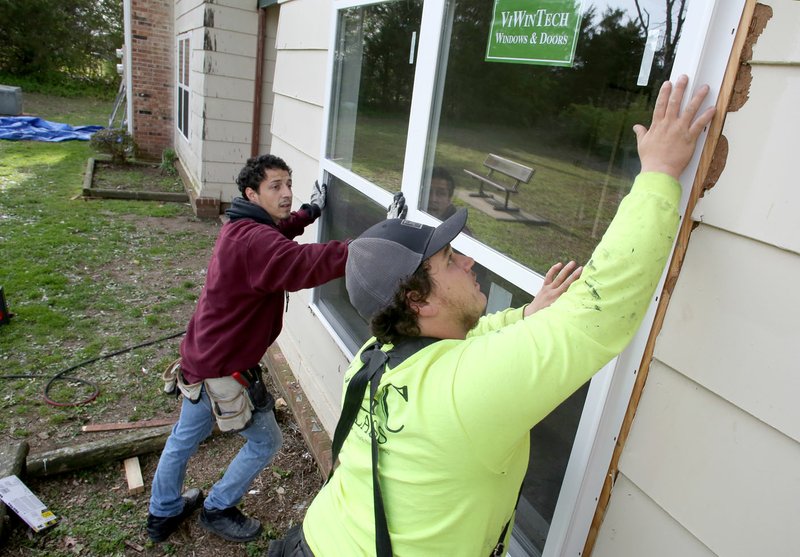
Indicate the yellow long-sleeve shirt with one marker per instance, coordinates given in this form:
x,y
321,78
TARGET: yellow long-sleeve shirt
x,y
453,419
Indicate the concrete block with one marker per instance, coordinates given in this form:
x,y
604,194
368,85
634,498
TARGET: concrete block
x,y
10,100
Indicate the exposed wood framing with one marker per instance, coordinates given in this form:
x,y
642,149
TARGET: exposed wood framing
x,y
733,93
128,425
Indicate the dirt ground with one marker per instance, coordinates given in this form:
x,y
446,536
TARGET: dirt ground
x,y
278,497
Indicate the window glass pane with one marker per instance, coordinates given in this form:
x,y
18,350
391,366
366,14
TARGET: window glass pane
x,y
373,80
347,214
565,134
567,131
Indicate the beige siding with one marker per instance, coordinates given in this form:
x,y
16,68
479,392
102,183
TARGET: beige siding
x,y
782,41
229,109
223,151
714,451
298,123
228,88
229,68
732,325
232,132
306,84
758,195
268,73
638,526
729,479
304,25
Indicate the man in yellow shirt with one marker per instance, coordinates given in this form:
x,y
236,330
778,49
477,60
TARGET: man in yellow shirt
x,y
451,413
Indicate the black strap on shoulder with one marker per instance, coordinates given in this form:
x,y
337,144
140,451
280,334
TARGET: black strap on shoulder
x,y
374,364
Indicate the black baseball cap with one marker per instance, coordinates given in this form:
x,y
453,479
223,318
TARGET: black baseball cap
x,y
388,253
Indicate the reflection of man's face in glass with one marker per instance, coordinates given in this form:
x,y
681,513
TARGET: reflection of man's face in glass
x,y
439,197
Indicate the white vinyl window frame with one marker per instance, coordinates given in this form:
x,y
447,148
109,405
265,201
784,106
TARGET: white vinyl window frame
x,y
702,54
183,92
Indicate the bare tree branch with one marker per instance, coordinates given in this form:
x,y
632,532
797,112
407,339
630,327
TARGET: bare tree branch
x,y
644,24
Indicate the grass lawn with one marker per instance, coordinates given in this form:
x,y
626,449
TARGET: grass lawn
x,y
80,111
84,278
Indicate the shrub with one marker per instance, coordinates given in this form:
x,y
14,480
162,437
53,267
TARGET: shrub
x,y
116,142
168,158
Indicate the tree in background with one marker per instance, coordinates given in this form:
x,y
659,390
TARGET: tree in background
x,y
49,41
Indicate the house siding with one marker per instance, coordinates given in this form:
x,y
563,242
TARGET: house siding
x,y
714,450
223,43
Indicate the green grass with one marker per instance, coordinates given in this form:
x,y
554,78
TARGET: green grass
x,y
84,278
81,111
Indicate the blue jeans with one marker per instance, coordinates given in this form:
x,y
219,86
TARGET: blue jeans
x,y
194,425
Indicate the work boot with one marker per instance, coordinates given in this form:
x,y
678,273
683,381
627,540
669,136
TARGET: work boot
x,y
230,524
159,528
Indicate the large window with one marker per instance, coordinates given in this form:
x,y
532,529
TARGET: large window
x,y
374,79
415,105
184,55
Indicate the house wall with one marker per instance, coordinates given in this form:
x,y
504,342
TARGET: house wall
x,y
711,463
189,15
268,73
152,59
302,40
223,43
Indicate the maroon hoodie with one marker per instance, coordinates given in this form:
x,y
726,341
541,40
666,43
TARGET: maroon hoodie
x,y
240,310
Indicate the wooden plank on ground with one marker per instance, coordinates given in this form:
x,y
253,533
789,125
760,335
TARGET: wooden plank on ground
x,y
133,473
128,425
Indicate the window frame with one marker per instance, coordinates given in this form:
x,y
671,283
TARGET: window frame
x,y
182,78
703,53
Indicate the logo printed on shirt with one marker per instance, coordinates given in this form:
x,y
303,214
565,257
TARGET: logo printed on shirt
x,y
391,397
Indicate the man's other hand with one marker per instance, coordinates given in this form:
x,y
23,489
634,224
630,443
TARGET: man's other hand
x,y
319,195
556,282
397,208
669,144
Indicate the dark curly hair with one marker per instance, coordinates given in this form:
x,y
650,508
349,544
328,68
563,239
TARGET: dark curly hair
x,y
254,172
399,319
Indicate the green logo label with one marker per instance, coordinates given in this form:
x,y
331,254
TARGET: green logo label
x,y
542,32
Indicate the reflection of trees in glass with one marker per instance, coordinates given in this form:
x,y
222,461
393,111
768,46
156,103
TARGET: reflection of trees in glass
x,y
387,77
675,15
607,59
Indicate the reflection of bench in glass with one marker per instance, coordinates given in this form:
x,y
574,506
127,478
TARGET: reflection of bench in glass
x,y
504,175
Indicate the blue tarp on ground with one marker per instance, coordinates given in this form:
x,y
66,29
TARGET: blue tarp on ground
x,y
36,129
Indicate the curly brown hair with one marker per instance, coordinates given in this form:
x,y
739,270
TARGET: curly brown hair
x,y
399,319
255,170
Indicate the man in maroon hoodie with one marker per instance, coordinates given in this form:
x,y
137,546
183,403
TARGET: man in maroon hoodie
x,y
239,314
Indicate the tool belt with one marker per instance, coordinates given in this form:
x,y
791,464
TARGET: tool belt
x,y
234,398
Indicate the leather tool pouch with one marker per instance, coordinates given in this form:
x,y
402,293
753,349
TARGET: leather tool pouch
x,y
170,377
230,403
190,391
262,399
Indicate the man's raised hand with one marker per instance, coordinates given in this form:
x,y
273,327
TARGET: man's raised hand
x,y
668,145
556,282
